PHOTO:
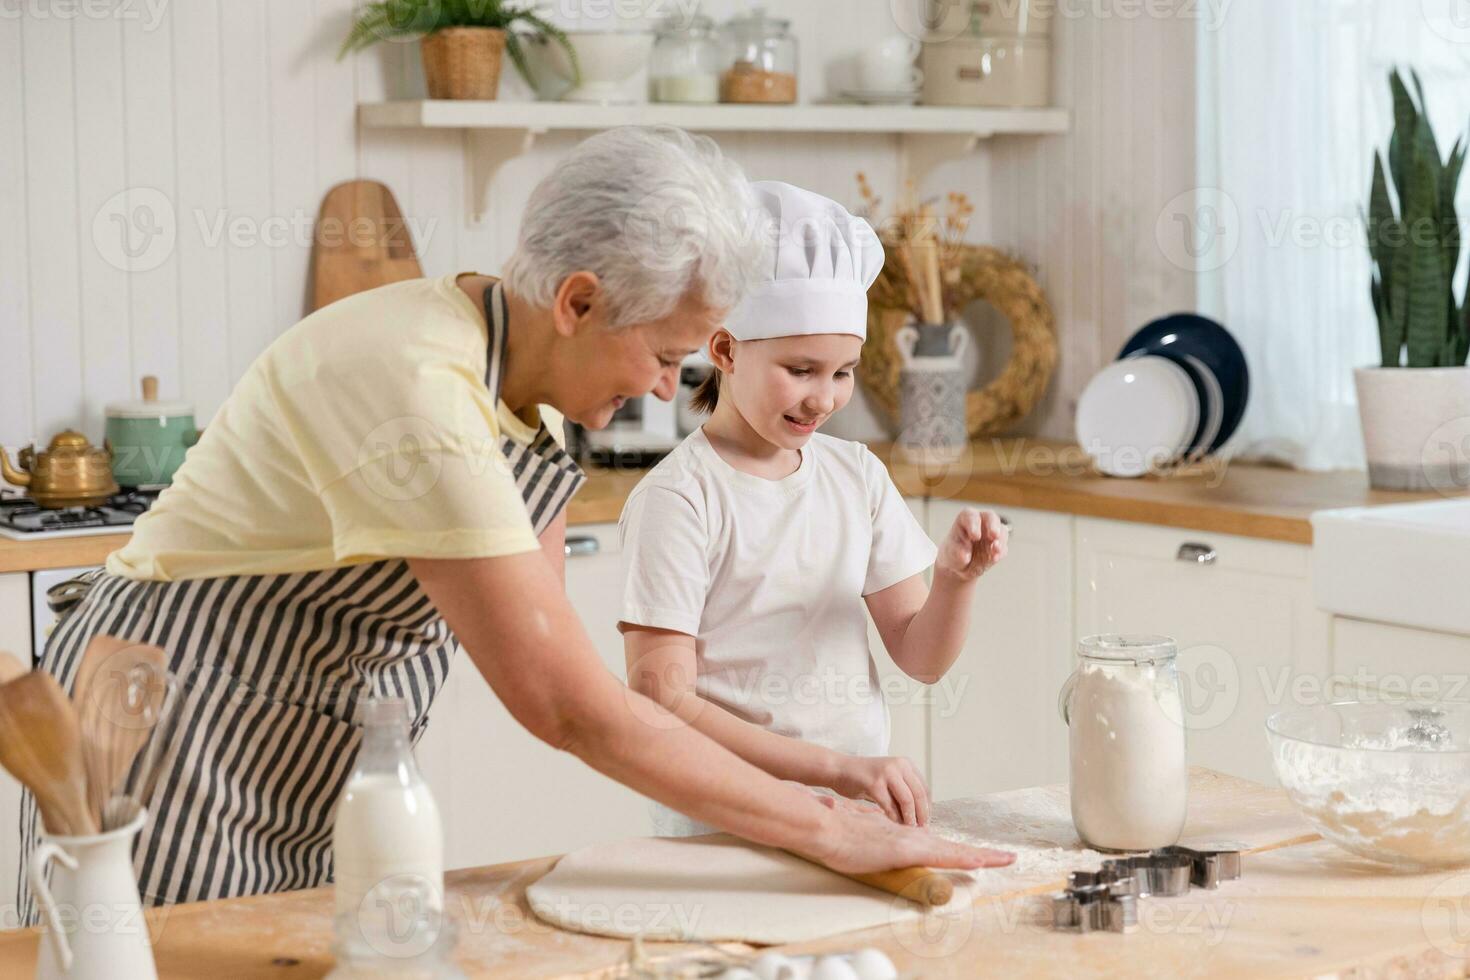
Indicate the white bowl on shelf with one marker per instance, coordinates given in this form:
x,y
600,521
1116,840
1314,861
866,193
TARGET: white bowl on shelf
x,y
608,60
1137,416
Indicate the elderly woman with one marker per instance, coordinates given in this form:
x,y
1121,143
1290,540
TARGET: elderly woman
x,y
380,490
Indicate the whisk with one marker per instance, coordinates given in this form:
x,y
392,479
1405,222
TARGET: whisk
x,y
133,771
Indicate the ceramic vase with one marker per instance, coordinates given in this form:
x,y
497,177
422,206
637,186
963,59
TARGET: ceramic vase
x,y
94,922
931,393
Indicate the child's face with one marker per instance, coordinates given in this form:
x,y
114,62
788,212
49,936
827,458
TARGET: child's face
x,y
786,387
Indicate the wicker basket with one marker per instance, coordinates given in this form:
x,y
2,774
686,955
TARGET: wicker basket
x,y
463,62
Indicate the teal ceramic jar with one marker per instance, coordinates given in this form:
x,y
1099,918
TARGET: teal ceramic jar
x,y
149,438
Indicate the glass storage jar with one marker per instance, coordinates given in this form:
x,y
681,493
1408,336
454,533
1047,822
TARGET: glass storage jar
x,y
686,61
1129,779
762,66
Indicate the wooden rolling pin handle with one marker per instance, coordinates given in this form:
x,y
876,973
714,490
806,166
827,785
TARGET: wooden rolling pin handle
x,y
922,885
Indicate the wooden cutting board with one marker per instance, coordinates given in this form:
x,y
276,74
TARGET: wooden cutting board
x,y
361,242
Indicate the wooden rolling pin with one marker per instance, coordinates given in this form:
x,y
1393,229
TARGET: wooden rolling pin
x,y
923,885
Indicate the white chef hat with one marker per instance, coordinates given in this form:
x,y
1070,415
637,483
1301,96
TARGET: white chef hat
x,y
822,261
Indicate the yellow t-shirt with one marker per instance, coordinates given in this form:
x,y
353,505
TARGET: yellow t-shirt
x,y
364,432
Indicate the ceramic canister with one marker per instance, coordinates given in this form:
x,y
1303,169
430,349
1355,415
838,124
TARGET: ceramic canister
x,y
931,395
984,71
149,438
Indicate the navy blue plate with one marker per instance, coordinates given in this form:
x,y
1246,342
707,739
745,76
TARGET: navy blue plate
x,y
1188,333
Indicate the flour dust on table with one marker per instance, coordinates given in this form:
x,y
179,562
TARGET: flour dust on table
x,y
720,888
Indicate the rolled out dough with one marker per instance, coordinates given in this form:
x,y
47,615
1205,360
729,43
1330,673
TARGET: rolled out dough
x,y
721,888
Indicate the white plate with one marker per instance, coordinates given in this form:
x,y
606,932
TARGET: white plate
x,y
880,97
1136,416
1213,399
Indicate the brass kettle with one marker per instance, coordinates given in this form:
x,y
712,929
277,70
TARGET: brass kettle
x,y
71,472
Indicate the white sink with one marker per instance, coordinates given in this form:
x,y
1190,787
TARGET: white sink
x,y
1407,564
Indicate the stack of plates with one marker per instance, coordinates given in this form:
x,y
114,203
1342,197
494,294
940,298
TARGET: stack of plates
x,y
1175,394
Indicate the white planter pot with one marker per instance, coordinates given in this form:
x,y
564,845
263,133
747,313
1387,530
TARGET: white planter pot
x,y
1416,427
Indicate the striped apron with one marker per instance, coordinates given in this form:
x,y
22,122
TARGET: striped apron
x,y
272,670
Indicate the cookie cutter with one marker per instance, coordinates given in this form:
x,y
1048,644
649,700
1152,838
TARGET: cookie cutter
x,y
1094,911
1106,900
1208,867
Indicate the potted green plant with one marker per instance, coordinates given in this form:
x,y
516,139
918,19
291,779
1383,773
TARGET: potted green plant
x,y
1423,384
461,40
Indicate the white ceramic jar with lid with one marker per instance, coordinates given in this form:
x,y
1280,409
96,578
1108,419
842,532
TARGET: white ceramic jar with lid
x,y
1129,778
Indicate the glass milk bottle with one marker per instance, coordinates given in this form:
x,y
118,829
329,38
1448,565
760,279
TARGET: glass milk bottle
x,y
387,841
1129,779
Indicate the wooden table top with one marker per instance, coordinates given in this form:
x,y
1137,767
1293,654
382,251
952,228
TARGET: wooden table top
x,y
1302,908
1231,498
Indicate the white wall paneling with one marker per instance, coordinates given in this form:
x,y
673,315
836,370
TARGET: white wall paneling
x,y
231,118
1082,208
17,411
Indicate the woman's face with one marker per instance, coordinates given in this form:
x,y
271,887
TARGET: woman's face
x,y
611,366
786,387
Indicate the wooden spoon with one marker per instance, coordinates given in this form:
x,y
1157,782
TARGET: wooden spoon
x,y
41,745
10,667
120,690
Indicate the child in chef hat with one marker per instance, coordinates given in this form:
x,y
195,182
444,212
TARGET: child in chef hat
x,y
757,549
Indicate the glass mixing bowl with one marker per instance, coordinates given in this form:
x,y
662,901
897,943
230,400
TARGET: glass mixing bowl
x,y
1387,781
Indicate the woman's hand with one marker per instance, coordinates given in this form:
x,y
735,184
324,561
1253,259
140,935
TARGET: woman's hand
x,y
855,842
892,782
975,543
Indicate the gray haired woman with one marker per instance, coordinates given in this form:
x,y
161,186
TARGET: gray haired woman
x,y
381,489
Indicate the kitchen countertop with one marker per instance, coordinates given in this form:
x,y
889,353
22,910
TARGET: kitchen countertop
x,y
1302,908
1251,500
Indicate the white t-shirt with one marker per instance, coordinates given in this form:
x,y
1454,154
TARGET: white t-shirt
x,y
769,577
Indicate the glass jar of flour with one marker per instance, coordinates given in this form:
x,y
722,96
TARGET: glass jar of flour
x,y
686,61
1129,779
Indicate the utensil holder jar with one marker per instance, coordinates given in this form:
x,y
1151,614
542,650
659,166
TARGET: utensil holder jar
x,y
931,394
95,928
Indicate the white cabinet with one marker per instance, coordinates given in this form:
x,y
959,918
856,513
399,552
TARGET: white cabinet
x,y
1376,659
505,795
15,615
15,638
993,723
1241,610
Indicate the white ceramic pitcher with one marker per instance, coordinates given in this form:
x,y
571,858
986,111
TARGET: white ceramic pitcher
x,y
95,926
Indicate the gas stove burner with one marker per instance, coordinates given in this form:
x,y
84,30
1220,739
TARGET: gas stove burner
x,y
22,518
78,517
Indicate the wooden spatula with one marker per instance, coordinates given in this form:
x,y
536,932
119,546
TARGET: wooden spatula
x,y
41,745
119,692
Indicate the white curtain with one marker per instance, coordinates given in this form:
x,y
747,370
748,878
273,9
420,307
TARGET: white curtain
x,y
1293,99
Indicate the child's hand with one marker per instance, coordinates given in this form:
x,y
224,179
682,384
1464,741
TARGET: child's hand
x,y
975,542
892,782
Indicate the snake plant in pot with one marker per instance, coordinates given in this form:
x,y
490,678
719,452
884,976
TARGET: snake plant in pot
x,y
1423,384
461,41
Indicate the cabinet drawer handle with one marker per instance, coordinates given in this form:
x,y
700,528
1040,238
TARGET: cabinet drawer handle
x,y
1200,554
582,545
